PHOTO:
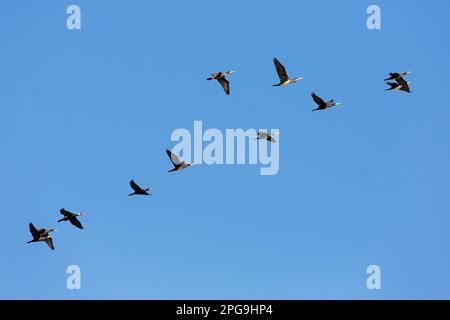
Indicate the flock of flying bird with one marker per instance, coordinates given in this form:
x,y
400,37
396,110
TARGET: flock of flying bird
x,y
43,235
400,82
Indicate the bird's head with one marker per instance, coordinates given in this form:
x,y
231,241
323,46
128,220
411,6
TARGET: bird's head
x,y
231,72
298,79
337,104
52,230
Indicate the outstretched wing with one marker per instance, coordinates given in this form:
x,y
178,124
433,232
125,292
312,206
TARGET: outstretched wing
x,y
317,99
403,83
392,84
49,242
33,230
215,75
281,70
392,75
65,213
173,158
76,223
135,187
225,85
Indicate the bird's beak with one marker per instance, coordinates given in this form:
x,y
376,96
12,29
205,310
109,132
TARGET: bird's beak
x,y
338,103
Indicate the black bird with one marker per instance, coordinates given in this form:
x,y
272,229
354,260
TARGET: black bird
x,y
399,84
282,74
177,163
322,105
72,217
396,75
138,190
220,77
42,235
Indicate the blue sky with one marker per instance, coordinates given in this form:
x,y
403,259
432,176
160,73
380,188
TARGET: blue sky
x,y
83,112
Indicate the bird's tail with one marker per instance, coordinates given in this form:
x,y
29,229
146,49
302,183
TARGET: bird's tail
x,y
276,85
316,109
132,194
174,169
209,79
60,220
30,241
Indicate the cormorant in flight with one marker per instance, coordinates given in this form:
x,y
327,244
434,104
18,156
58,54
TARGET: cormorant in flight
x,y
42,235
220,77
322,105
177,163
72,217
138,190
284,78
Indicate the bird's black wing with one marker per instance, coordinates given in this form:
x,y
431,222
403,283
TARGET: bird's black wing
x,y
76,223
392,84
317,99
66,213
403,83
33,230
392,75
225,84
173,158
281,70
135,187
